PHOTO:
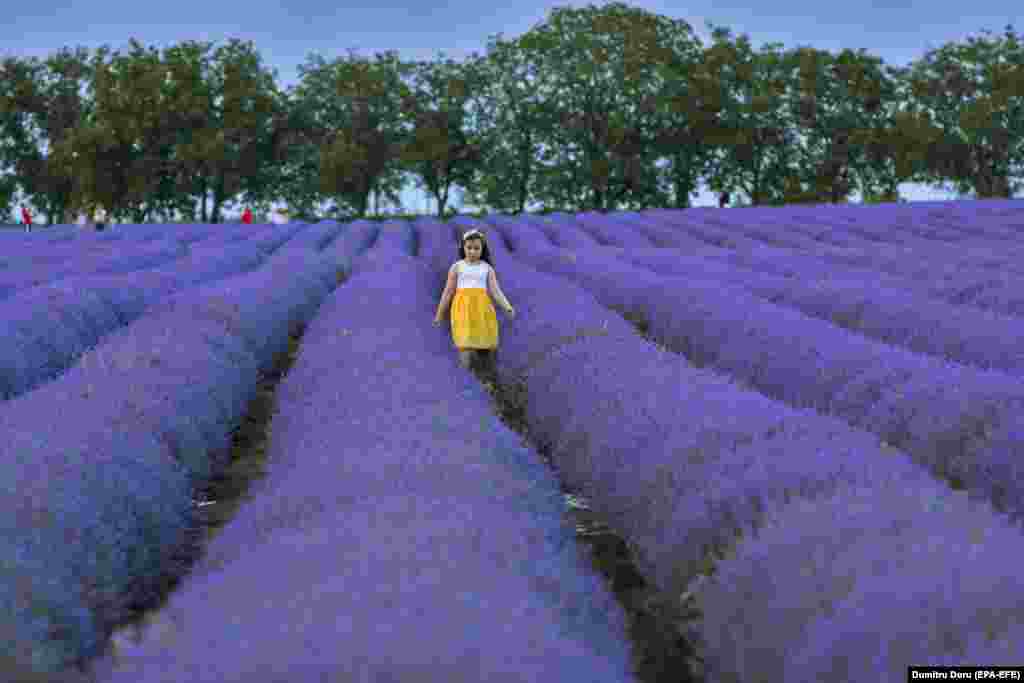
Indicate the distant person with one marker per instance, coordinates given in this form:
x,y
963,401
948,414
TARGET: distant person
x,y
26,218
101,220
474,321
723,200
247,216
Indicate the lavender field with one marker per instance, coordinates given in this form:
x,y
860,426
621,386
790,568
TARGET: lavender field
x,y
805,423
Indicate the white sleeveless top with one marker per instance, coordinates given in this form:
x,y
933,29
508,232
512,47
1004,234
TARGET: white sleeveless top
x,y
472,276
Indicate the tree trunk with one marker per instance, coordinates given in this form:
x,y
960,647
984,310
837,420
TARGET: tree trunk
x,y
205,213
755,197
215,211
525,165
218,199
442,198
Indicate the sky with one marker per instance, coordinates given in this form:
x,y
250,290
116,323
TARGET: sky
x,y
285,31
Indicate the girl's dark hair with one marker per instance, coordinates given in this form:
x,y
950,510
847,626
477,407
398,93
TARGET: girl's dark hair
x,y
485,252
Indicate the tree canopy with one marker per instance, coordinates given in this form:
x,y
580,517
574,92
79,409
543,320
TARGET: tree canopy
x,y
595,108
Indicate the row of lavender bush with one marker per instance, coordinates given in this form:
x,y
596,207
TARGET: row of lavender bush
x,y
135,258
995,293
35,262
868,302
682,461
895,316
401,532
317,236
957,420
936,225
966,266
53,248
985,220
47,327
974,253
846,230
991,280
97,506
93,253
893,242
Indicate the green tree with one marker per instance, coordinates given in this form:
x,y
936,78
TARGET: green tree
x,y
112,154
606,67
361,140
511,119
595,108
974,92
246,130
442,150
840,103
756,135
40,103
687,111
192,97
8,193
295,180
896,146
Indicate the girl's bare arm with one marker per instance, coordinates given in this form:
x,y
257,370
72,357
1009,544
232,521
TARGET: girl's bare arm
x,y
492,283
448,293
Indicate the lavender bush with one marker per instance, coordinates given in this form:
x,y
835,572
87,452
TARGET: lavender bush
x,y
417,526
958,333
939,412
984,288
353,240
573,419
762,226
264,307
132,259
562,230
708,495
662,236
823,587
437,243
892,254
47,327
700,226
317,236
156,400
605,230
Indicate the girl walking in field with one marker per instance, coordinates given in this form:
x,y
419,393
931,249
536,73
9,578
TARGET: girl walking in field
x,y
474,320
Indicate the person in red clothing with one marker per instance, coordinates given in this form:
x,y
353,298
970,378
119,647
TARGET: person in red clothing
x,y
247,216
27,218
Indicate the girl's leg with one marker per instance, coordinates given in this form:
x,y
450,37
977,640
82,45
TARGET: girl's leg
x,y
489,358
464,357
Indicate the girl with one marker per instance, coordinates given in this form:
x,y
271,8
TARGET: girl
x,y
474,322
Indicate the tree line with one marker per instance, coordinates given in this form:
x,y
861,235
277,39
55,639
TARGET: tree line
x,y
596,108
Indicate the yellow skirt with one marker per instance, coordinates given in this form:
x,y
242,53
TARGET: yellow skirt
x,y
474,320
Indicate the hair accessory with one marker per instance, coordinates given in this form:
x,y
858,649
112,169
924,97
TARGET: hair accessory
x,y
467,235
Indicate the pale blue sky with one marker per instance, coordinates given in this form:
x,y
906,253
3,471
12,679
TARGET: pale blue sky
x,y
284,31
